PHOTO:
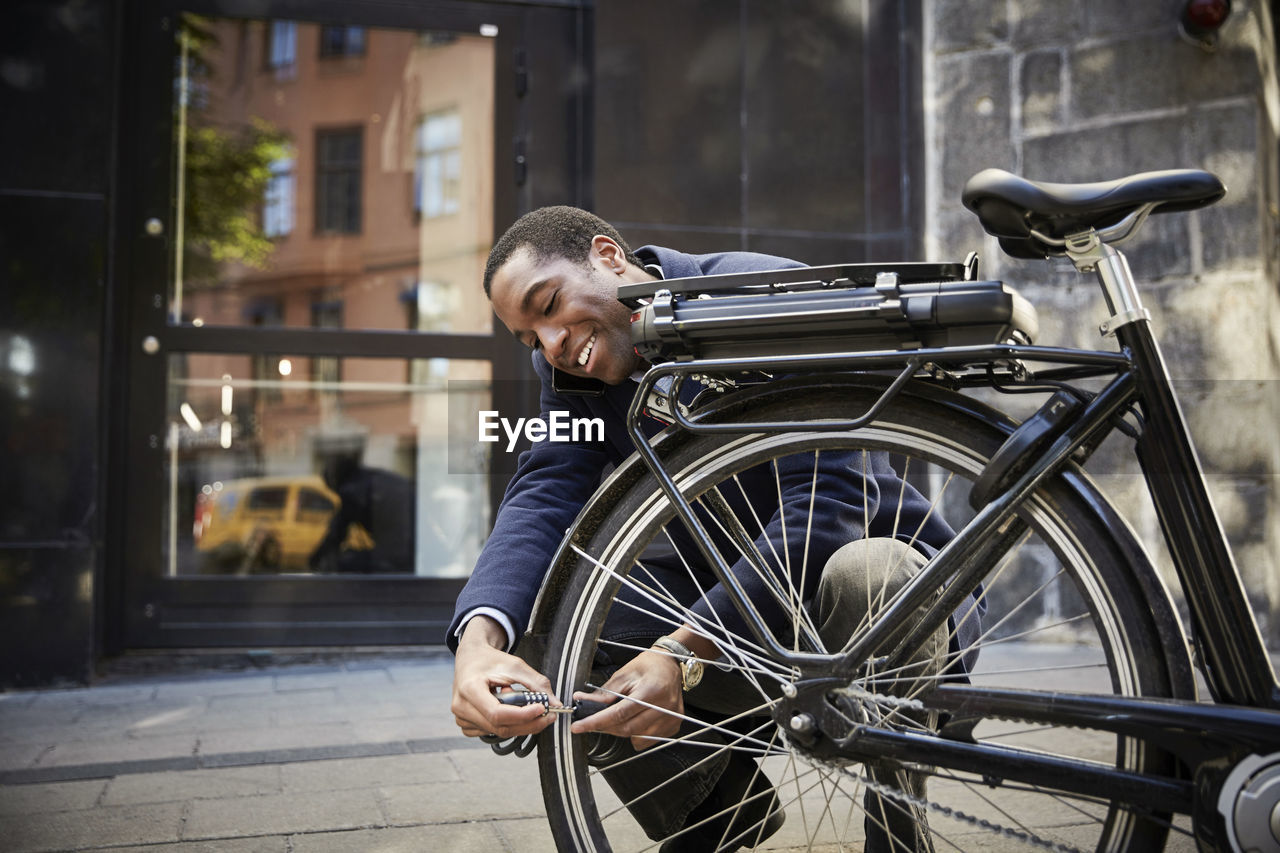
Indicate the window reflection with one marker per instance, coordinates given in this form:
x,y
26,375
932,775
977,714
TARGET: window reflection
x,y
350,160
289,475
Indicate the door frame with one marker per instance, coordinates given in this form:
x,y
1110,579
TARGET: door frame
x,y
139,606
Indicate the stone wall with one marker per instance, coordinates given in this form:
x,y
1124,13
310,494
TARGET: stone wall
x,y
1094,90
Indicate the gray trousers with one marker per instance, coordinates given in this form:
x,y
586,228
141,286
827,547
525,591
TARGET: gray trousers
x,y
857,581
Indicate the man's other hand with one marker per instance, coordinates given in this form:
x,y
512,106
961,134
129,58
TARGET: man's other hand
x,y
651,678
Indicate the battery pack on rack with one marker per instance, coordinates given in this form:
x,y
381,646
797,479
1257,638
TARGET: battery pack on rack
x,y
819,310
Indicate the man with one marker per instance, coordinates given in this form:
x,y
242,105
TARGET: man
x,y
552,280
383,504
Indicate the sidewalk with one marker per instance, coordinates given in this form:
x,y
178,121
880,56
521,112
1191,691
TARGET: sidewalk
x,y
352,755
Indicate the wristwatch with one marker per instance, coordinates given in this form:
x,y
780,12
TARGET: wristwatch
x,y
690,666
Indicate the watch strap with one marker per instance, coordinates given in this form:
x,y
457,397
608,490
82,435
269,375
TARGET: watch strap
x,y
690,666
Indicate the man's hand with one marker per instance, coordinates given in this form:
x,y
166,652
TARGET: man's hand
x,y
479,666
650,677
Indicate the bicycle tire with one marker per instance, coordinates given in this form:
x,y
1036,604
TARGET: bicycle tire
x,y
1131,643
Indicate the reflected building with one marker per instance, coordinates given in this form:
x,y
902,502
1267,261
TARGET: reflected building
x,y
371,155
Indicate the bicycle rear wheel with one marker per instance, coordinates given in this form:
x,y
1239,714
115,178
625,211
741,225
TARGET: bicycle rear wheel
x,y
1066,609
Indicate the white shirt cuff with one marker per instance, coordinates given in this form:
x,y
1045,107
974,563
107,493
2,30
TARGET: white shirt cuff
x,y
495,614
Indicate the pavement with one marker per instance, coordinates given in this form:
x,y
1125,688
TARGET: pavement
x,y
329,752
353,753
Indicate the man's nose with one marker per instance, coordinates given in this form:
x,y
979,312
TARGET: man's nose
x,y
553,338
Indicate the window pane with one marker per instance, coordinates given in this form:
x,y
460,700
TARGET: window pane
x,y
304,476
282,47
316,178
437,180
277,209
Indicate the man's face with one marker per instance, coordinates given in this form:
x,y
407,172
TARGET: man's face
x,y
568,310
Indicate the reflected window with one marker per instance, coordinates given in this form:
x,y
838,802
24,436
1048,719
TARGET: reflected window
x,y
267,499
384,478
438,169
370,150
277,207
326,313
341,41
282,47
310,500
338,164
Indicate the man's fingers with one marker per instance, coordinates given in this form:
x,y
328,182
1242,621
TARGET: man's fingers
x,y
624,718
504,722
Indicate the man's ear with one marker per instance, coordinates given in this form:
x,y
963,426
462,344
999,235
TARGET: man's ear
x,y
609,252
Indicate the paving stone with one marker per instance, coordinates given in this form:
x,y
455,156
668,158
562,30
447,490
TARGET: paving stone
x,y
14,756
376,772
85,829
407,728
317,811
416,673
15,720
528,835
52,797
275,699
143,720
109,694
207,689
266,844
291,737
182,785
511,789
119,748
370,678
454,838
348,710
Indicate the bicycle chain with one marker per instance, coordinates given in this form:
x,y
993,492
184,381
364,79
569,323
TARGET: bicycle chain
x,y
955,814
930,806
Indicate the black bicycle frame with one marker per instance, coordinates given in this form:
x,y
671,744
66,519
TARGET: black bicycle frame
x,y
1235,659
1239,670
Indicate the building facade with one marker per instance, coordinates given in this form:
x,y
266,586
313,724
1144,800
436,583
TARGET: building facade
x,y
242,245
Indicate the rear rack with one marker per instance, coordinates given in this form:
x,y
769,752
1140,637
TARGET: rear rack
x,y
797,279
815,310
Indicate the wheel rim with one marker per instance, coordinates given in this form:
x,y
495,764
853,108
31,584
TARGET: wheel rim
x,y
578,788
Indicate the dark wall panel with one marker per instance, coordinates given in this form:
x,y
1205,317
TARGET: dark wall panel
x,y
668,97
57,85
805,124
786,128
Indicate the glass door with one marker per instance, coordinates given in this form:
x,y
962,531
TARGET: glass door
x,y
312,340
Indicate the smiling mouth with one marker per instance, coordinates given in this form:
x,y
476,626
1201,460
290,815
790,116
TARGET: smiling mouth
x,y
586,352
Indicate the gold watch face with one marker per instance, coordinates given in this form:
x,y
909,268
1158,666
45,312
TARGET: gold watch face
x,y
691,670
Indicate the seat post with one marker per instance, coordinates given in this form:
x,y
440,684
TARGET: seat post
x,y
1090,254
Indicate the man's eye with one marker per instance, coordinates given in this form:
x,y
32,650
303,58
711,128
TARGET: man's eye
x,y
551,304
535,344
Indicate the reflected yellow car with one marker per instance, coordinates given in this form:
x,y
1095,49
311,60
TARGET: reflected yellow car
x,y
266,524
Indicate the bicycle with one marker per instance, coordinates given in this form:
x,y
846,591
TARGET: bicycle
x,y
1102,741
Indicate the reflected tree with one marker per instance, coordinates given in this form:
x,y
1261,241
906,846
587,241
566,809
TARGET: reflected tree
x,y
225,167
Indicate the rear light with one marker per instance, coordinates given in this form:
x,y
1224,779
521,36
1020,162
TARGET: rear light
x,y
1201,19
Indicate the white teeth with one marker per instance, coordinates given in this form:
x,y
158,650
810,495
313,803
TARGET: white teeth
x,y
586,351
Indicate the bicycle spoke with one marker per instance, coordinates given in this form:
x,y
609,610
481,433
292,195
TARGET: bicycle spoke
x,y
1046,615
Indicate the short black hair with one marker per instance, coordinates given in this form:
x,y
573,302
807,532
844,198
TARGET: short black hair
x,y
559,231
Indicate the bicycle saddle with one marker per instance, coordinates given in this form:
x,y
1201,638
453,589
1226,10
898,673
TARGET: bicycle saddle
x,y
1011,207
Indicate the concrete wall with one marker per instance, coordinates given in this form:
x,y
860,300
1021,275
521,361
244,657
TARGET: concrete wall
x,y
1094,90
